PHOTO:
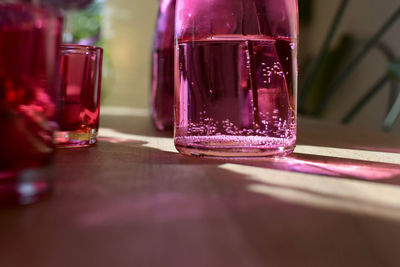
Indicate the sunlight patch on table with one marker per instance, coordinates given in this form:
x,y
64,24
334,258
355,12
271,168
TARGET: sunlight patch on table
x,y
124,111
383,157
353,196
344,168
160,143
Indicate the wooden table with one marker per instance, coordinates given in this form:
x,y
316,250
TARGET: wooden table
x,y
133,201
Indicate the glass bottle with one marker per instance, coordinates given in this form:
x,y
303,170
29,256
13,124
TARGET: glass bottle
x,y
236,77
30,36
162,95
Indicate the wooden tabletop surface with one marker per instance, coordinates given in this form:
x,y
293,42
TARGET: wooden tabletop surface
x,y
134,201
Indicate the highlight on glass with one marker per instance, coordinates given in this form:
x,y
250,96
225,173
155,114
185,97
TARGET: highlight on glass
x,y
236,75
29,55
79,100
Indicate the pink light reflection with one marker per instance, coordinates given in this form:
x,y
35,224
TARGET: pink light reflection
x,y
332,166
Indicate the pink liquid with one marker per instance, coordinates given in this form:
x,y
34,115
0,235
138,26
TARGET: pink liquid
x,y
29,40
236,96
163,89
163,67
80,96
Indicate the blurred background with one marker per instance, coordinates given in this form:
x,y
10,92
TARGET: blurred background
x,y
125,29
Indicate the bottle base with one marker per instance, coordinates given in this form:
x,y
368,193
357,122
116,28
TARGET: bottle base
x,y
234,146
75,139
23,187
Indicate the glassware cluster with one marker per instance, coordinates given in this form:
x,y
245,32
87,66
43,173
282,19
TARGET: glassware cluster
x,y
49,97
229,69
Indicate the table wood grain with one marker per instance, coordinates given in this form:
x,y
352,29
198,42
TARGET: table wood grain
x,y
134,201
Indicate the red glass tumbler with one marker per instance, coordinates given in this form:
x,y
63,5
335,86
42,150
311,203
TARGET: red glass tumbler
x,y
80,96
29,41
236,77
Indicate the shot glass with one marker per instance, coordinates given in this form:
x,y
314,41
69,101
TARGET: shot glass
x,y
29,54
236,77
79,101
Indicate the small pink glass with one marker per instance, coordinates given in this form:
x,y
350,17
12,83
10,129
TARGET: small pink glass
x,y
29,55
163,67
236,77
80,96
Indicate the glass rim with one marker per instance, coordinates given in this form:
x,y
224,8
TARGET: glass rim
x,y
78,47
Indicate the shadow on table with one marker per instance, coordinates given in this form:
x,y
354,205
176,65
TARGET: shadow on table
x,y
310,132
166,209
327,179
334,184
138,125
297,162
331,166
